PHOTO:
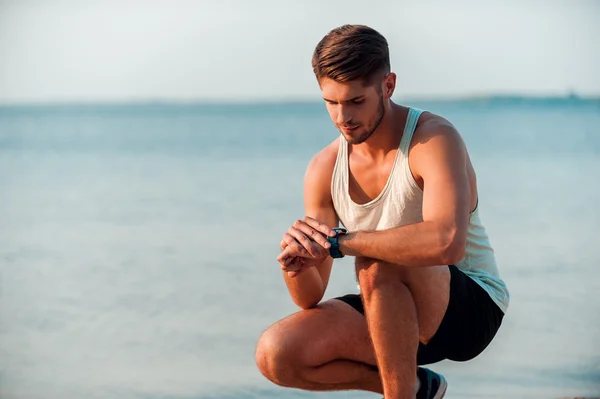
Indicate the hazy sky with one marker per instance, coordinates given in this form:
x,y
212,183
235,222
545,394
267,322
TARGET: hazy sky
x,y
72,50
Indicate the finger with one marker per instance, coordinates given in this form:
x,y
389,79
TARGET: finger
x,y
291,252
288,259
297,265
293,243
295,273
302,267
294,264
319,226
283,258
286,256
308,244
313,233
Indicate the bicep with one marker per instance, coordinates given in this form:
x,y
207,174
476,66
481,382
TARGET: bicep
x,y
442,166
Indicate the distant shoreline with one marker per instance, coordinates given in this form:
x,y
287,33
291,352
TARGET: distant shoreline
x,y
489,99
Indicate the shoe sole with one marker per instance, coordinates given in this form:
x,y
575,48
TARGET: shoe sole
x,y
442,388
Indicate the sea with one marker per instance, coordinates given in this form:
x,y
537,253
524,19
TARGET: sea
x,y
138,245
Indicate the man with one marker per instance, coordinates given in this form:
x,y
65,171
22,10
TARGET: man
x,y
401,182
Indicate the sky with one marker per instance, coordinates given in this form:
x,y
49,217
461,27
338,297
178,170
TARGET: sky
x,y
232,50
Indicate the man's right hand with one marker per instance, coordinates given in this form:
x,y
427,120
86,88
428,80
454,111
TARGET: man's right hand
x,y
304,245
308,237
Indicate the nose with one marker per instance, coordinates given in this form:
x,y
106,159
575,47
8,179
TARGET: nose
x,y
343,115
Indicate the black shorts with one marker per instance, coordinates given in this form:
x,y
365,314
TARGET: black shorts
x,y
469,325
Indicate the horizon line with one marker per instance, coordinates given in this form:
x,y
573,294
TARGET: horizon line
x,y
291,100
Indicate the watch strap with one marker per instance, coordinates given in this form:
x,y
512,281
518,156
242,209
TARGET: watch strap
x,y
334,249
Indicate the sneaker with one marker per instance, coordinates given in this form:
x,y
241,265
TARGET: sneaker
x,y
433,385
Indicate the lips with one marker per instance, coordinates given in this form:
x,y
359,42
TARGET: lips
x,y
349,129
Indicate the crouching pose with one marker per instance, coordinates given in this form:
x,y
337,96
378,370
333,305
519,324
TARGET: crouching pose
x,y
400,181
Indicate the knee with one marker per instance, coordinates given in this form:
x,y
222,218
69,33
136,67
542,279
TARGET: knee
x,y
277,357
374,274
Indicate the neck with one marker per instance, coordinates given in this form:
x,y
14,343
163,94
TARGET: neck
x,y
388,134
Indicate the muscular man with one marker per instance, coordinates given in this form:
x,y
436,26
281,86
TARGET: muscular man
x,y
401,182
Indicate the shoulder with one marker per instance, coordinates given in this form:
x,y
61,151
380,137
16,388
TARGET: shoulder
x,y
322,164
434,127
433,133
436,140
319,171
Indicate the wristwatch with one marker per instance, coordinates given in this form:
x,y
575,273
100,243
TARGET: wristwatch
x,y
334,250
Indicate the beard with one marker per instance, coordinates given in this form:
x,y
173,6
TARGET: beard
x,y
362,136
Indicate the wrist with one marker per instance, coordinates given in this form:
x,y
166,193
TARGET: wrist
x,y
334,249
345,244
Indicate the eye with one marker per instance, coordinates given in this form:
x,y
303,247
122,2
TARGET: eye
x,y
358,101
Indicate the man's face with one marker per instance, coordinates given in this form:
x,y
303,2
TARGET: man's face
x,y
355,109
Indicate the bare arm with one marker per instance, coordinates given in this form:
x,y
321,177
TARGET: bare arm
x,y
308,287
439,160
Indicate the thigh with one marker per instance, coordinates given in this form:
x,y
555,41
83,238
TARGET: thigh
x,y
332,330
429,287
426,354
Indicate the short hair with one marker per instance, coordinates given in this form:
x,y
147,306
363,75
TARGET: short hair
x,y
351,52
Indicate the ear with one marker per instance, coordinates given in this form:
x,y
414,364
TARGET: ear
x,y
389,85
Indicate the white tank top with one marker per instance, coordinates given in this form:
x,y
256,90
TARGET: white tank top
x,y
400,203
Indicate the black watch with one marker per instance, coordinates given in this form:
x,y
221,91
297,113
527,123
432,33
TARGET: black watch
x,y
334,250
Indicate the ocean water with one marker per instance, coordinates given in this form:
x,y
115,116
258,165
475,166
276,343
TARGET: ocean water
x,y
138,245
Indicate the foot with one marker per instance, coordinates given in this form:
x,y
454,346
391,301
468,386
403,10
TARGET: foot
x,y
433,385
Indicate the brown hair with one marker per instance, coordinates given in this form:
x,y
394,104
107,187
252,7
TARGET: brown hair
x,y
351,52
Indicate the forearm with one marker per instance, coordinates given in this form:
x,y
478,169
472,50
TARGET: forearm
x,y
306,288
415,245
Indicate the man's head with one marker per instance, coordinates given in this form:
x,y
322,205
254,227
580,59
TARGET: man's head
x,y
352,65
